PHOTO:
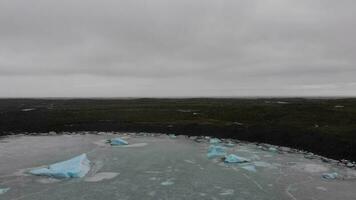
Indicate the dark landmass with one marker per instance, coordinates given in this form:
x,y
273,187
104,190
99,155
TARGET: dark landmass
x,y
323,126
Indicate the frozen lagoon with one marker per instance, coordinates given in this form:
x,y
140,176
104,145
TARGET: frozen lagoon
x,y
162,167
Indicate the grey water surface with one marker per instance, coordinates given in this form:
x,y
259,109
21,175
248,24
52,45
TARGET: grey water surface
x,y
163,167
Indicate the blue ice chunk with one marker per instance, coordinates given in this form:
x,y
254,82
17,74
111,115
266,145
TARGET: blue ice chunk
x,y
216,151
118,141
4,190
214,141
232,158
330,175
76,167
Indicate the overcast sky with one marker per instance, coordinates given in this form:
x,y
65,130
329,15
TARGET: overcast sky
x,y
130,48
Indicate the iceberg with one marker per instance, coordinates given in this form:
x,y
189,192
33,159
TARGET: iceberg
x,y
118,141
216,151
76,167
232,158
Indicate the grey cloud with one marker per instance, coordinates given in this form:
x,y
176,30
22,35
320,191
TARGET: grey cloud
x,y
241,47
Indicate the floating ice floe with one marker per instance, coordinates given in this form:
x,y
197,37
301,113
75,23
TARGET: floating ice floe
x,y
264,164
172,136
48,180
266,147
272,149
229,144
167,183
350,165
282,102
333,175
135,145
214,141
101,176
216,151
76,167
312,168
4,190
28,109
250,168
118,142
226,192
232,158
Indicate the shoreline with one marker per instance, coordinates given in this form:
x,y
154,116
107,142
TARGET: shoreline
x,y
325,126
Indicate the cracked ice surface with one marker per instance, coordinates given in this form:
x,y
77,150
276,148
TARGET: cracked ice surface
x,y
159,167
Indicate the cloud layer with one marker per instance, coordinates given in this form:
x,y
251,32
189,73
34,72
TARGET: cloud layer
x,y
115,48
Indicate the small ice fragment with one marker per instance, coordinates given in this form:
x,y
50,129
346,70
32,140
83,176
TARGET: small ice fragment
x,y
153,178
153,172
214,141
229,144
152,193
4,190
267,156
193,137
101,143
333,175
232,158
135,145
118,141
227,192
102,176
167,183
272,149
322,188
76,167
282,102
48,180
263,164
28,109
255,157
250,168
172,136
190,161
350,165
312,168
216,151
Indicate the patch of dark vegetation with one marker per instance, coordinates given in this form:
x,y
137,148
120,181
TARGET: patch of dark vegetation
x,y
323,126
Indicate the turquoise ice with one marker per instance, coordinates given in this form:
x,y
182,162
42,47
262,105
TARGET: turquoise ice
x,y
76,167
118,141
232,158
216,151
